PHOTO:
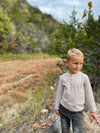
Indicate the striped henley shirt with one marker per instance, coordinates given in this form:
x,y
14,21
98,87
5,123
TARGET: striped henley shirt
x,y
73,91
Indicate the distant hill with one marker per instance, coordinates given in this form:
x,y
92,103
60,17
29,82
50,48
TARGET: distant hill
x,y
31,29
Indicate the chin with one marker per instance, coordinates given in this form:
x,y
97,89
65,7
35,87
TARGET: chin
x,y
75,72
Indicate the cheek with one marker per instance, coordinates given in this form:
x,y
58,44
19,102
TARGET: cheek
x,y
80,67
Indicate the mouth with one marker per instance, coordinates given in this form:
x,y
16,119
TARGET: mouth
x,y
76,70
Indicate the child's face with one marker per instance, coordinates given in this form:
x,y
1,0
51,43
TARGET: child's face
x,y
75,64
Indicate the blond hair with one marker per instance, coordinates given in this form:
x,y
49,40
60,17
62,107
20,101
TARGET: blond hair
x,y
73,52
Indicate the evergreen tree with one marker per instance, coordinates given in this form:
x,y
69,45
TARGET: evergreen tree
x,y
86,37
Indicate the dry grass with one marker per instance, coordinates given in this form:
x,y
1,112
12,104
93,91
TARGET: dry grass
x,y
20,96
8,77
17,77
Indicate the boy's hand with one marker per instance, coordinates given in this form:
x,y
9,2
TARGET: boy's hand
x,y
93,117
57,112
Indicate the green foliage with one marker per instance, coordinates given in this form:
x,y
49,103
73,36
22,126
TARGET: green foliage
x,y
33,44
73,20
17,14
35,9
5,30
86,37
5,25
93,32
37,18
6,3
63,39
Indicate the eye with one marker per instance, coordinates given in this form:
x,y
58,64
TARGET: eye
x,y
75,63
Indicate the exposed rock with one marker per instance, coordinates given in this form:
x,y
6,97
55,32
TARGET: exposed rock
x,y
44,111
56,126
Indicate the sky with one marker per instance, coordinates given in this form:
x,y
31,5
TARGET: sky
x,y
61,9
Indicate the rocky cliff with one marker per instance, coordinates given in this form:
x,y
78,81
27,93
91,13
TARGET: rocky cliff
x,y
32,29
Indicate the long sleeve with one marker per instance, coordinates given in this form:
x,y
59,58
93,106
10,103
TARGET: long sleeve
x,y
89,95
59,93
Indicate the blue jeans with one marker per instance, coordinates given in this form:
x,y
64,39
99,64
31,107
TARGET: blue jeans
x,y
75,117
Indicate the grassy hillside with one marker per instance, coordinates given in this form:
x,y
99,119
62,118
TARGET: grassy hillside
x,y
31,29
25,89
34,56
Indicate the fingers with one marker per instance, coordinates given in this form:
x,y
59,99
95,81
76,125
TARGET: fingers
x,y
57,112
96,119
92,118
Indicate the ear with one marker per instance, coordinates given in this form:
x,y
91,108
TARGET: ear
x,y
66,62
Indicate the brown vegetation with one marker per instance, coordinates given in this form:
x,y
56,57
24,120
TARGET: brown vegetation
x,y
17,77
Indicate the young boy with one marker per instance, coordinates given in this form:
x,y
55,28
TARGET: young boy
x,y
73,91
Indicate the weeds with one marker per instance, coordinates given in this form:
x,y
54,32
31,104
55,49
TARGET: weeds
x,y
38,98
51,77
27,84
34,56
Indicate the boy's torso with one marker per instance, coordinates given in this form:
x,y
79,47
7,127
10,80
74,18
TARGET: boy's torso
x,y
73,91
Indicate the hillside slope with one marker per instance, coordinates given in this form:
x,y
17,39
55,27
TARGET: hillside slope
x,y
17,76
22,85
32,29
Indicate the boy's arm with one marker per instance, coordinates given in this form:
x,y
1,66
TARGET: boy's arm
x,y
59,94
89,95
90,100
